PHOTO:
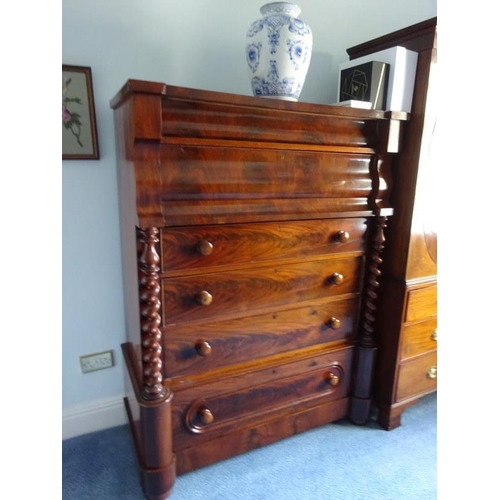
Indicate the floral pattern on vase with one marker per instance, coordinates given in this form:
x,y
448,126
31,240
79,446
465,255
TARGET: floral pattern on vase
x,y
278,50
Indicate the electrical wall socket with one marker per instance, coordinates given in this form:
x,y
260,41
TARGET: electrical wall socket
x,y
97,361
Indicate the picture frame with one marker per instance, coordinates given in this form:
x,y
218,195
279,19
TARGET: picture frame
x,y
79,129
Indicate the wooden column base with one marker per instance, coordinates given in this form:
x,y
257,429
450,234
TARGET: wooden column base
x,y
361,401
152,434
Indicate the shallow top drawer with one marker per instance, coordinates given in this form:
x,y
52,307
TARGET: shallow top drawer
x,y
208,246
422,303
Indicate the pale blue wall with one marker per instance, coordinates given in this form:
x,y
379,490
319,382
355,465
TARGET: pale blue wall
x,y
192,43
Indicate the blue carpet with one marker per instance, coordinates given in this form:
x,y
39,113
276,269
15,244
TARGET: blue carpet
x,y
339,461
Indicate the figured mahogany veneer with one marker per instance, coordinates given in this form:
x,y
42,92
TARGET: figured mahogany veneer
x,y
252,239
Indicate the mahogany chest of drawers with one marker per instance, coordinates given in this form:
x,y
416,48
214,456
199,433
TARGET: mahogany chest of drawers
x,y
252,235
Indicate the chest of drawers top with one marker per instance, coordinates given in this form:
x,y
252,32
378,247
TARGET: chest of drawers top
x,y
196,157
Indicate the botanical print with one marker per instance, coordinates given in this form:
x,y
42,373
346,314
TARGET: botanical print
x,y
79,134
71,120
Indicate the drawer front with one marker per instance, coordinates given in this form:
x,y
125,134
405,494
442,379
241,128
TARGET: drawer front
x,y
216,173
422,303
417,376
192,248
419,338
210,410
208,346
204,297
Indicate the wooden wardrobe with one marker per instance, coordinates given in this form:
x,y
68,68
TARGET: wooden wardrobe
x,y
407,302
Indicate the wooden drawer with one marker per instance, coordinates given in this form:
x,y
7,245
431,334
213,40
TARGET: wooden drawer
x,y
193,248
210,410
418,338
414,376
209,346
239,291
422,303
220,173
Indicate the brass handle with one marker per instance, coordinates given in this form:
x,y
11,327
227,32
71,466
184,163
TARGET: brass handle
x,y
432,372
204,298
333,379
334,323
204,247
206,416
434,335
336,279
203,348
342,236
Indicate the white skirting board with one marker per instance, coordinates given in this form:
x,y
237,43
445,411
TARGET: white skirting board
x,y
93,416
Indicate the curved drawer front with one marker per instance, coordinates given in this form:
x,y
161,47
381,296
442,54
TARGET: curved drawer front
x,y
204,297
215,345
217,408
198,247
215,173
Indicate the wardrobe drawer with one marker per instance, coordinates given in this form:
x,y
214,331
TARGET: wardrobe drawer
x,y
198,247
207,296
418,338
422,303
208,346
209,410
418,375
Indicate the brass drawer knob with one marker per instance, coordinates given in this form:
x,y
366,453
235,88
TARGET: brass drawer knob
x,y
434,335
204,298
342,236
204,247
432,372
203,348
206,416
333,379
336,279
334,323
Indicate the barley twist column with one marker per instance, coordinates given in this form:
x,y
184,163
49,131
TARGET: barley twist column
x,y
150,309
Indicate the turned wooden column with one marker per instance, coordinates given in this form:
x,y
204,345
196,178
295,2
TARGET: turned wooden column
x,y
366,347
154,440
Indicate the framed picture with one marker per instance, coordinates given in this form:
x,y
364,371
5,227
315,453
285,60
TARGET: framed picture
x,y
79,131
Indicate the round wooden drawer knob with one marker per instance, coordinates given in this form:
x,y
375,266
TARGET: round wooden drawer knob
x,y
432,372
206,416
336,279
204,247
333,379
342,236
434,335
203,348
204,298
334,323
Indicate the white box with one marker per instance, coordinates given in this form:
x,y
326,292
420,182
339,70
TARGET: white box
x,y
355,104
402,70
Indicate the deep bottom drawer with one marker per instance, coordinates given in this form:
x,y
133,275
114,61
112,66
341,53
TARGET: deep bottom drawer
x,y
246,439
418,375
210,410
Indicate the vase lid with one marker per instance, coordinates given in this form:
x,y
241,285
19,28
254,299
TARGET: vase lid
x,y
288,8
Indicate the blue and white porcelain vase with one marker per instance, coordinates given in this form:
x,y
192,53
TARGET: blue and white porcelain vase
x,y
278,47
